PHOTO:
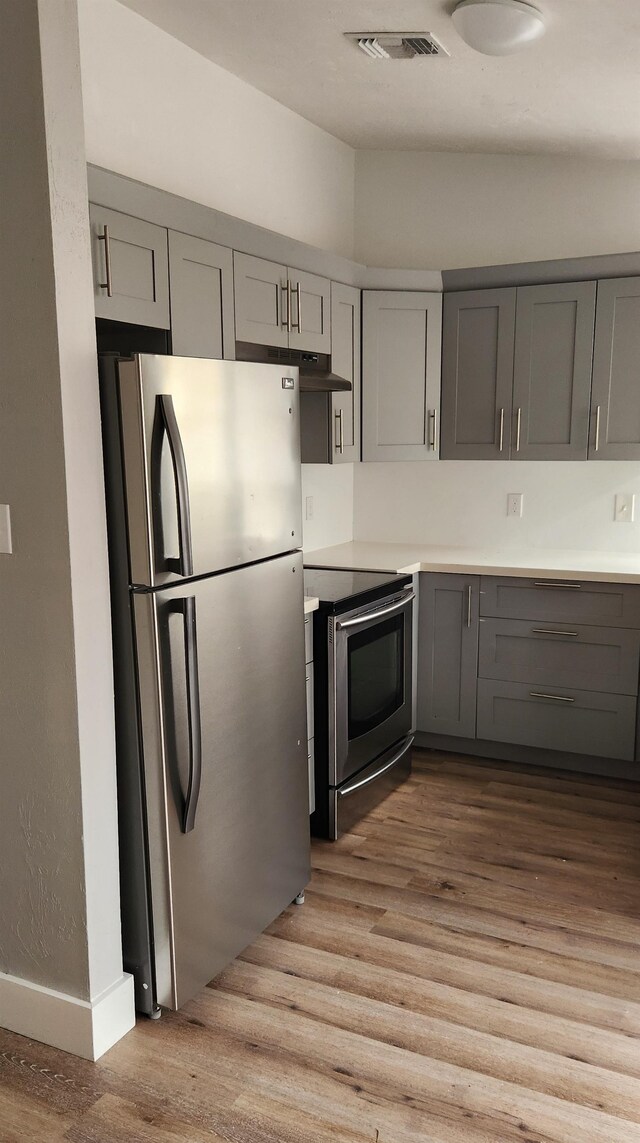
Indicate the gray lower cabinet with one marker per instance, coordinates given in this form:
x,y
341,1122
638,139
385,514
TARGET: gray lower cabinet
x,y
201,288
615,397
130,268
552,371
516,372
583,722
401,345
447,654
478,330
563,602
330,422
277,306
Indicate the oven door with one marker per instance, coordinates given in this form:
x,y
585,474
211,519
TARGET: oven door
x,y
371,684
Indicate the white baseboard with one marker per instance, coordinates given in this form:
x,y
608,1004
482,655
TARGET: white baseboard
x,y
83,1027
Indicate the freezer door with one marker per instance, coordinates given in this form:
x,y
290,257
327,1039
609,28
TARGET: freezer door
x,y
211,453
224,739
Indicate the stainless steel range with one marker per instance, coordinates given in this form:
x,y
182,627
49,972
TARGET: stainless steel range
x,y
363,692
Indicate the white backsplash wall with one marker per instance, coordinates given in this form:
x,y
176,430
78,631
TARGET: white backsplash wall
x,y
464,504
331,488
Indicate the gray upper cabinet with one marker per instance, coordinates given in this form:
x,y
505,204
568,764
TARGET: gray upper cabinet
x,y
261,301
615,420
130,268
552,371
477,374
448,654
310,301
201,285
400,375
345,361
281,307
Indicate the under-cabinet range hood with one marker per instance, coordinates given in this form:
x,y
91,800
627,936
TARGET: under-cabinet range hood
x,y
316,375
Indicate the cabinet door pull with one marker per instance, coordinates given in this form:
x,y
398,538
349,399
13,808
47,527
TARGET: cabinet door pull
x,y
286,295
597,442
550,631
555,698
566,586
339,431
518,427
106,285
433,429
469,591
297,290
501,444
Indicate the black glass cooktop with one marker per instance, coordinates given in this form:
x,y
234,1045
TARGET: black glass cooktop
x,y
334,585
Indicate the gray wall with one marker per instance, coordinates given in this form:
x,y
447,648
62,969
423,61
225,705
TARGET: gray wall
x,y
59,915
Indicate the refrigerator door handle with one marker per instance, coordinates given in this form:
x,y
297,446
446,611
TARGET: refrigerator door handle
x,y
187,607
183,565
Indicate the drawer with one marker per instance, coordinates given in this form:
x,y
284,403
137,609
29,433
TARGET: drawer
x,y
309,682
312,776
587,658
308,638
581,722
555,601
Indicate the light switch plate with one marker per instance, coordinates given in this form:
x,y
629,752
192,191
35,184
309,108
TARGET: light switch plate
x,y
308,506
624,508
5,530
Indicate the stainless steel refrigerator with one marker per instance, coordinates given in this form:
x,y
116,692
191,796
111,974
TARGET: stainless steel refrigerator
x,y
202,467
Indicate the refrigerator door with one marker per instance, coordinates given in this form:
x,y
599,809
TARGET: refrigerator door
x,y
224,740
211,453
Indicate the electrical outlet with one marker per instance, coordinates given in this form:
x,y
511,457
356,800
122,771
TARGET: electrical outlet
x,y
6,547
624,508
308,508
514,503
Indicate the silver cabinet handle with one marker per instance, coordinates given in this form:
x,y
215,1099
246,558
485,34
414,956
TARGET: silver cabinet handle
x,y
597,443
286,296
104,237
469,590
297,290
501,444
566,586
339,431
550,631
518,427
555,698
370,615
352,787
433,429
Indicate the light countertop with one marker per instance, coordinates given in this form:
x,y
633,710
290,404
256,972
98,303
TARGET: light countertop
x,y
311,603
612,567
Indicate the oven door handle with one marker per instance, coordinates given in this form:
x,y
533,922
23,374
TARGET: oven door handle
x,y
353,786
370,615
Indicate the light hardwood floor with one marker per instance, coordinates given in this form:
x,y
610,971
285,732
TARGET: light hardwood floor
x,y
466,969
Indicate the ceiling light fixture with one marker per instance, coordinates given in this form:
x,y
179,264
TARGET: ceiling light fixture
x,y
497,27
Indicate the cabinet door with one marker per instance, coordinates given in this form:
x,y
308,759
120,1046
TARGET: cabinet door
x,y
310,324
201,283
260,291
130,268
615,396
552,371
448,654
400,375
345,361
477,374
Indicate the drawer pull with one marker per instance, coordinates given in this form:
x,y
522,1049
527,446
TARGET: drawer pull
x,y
550,631
556,698
547,583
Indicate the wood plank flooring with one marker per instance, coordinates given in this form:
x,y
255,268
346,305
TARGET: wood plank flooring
x,y
466,969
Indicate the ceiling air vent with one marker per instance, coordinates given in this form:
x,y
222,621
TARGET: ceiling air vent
x,y
397,45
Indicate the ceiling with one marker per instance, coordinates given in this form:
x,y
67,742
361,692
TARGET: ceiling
x,y
574,92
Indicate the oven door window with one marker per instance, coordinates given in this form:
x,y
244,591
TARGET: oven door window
x,y
376,675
